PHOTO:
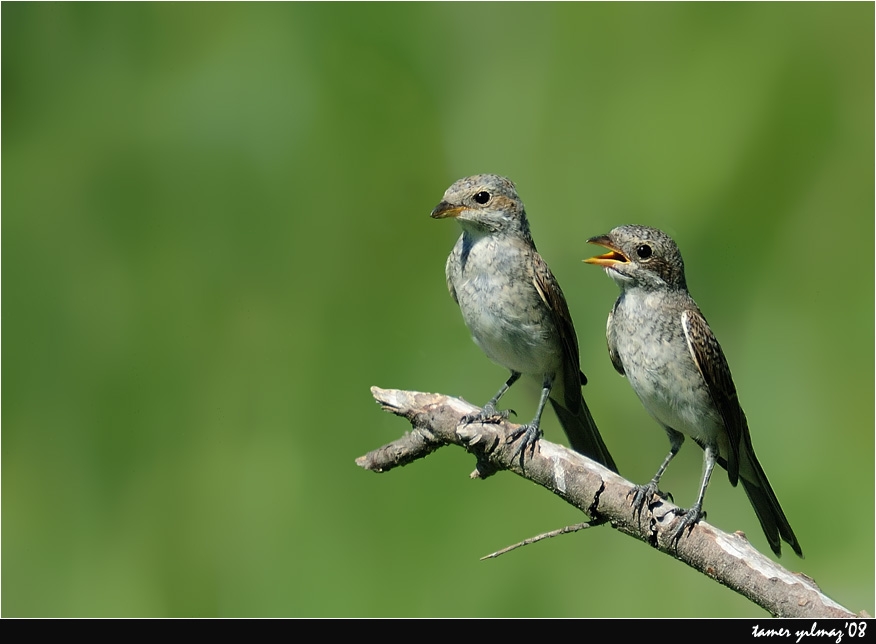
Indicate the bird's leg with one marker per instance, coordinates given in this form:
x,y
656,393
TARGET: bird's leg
x,y
489,411
531,432
643,493
490,407
689,518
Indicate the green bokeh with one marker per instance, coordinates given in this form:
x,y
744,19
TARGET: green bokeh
x,y
216,239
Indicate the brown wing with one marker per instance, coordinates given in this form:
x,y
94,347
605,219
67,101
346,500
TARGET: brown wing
x,y
551,294
612,343
710,360
451,267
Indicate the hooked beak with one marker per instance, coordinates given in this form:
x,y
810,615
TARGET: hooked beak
x,y
445,209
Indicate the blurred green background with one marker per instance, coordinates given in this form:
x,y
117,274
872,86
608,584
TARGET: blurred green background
x,y
216,239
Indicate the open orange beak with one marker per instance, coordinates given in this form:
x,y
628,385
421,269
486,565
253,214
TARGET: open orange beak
x,y
614,256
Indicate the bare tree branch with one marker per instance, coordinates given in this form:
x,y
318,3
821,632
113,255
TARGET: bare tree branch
x,y
547,535
729,559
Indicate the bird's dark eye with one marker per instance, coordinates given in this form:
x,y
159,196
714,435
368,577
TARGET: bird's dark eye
x,y
482,197
643,251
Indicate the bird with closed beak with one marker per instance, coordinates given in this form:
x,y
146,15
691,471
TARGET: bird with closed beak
x,y
515,309
660,341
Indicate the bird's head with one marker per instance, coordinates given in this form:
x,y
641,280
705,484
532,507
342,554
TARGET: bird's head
x,y
484,204
640,256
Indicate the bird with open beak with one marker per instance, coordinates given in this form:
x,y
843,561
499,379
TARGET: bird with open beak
x,y
660,341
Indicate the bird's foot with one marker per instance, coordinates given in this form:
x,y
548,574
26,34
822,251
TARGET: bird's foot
x,y
643,494
528,436
489,414
687,520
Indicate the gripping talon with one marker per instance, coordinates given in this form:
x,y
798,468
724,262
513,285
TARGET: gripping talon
x,y
529,436
687,520
642,494
489,414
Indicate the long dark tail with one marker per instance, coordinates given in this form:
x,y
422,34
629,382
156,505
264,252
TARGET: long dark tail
x,y
583,434
766,505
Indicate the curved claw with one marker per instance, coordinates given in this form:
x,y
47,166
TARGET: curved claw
x,y
489,414
528,435
641,494
688,519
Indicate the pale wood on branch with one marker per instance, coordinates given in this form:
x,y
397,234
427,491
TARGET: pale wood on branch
x,y
601,494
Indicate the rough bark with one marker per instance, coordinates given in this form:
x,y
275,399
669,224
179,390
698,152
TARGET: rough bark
x,y
729,559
